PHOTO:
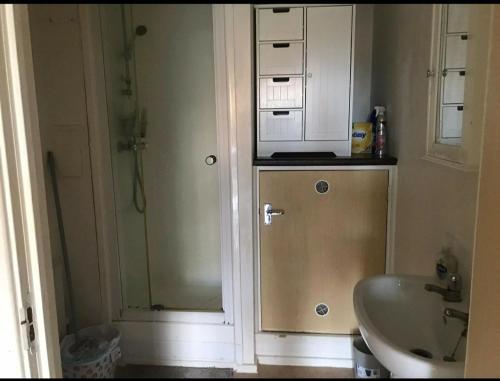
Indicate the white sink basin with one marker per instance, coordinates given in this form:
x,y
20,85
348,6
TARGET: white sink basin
x,y
397,315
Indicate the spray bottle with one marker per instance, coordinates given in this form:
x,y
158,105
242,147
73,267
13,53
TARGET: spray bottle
x,y
380,131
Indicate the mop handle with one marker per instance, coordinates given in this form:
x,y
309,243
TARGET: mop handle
x,y
72,310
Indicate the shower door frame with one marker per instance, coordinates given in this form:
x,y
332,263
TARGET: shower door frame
x,y
102,178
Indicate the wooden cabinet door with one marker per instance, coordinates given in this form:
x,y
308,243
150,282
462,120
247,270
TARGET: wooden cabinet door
x,y
328,82
320,247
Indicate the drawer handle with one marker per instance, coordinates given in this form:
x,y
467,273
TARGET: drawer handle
x,y
460,108
281,10
281,45
461,73
281,79
464,37
281,113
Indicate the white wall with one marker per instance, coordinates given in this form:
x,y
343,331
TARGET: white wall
x,y
57,56
363,63
435,204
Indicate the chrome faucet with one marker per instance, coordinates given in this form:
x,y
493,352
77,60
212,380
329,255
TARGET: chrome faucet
x,y
452,292
453,313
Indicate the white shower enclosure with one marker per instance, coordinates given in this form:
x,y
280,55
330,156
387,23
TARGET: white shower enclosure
x,y
169,160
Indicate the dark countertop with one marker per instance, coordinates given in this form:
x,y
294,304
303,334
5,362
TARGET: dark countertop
x,y
355,159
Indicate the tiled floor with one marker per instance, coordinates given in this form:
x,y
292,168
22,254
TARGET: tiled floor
x,y
264,371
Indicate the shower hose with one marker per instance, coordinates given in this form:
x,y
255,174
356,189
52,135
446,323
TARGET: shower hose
x,y
138,183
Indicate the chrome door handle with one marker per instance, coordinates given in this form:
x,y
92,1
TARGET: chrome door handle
x,y
269,212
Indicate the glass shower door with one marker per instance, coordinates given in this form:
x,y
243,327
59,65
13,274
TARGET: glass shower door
x,y
159,65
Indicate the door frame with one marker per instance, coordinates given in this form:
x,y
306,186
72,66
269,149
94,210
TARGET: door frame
x,y
23,212
483,348
274,348
233,54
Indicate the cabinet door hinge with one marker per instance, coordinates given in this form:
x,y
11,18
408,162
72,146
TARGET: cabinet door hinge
x,y
28,322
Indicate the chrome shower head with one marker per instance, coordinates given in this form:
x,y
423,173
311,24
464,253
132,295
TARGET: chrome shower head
x,y
140,30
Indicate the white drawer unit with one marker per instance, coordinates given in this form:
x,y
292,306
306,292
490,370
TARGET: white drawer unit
x,y
453,73
281,24
281,58
280,125
280,92
304,76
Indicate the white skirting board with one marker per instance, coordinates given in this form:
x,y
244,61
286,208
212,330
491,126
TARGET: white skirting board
x,y
177,344
305,349
212,345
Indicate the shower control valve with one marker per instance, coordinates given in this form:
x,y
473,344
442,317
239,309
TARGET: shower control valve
x,y
134,144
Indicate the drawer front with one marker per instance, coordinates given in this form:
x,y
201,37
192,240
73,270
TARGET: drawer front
x,y
458,18
451,121
280,125
454,83
281,92
281,58
456,52
281,23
